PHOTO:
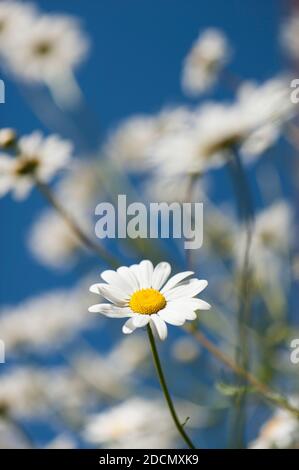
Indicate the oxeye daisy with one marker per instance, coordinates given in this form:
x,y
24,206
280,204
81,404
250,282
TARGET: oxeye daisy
x,y
146,295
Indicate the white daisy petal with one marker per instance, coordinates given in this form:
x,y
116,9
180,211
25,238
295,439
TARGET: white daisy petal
x,y
201,304
94,288
174,280
160,274
146,270
140,320
159,326
172,316
188,289
113,294
128,327
126,273
135,270
111,310
115,279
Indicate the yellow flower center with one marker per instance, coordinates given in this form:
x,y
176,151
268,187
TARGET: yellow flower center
x,y
147,301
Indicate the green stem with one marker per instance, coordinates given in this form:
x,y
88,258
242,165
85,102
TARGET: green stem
x,y
166,393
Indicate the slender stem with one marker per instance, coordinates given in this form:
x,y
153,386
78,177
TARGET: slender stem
x,y
70,221
262,388
166,393
246,213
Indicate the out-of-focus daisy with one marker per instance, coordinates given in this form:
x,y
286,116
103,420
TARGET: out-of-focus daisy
x,y
15,18
141,293
136,423
102,371
289,35
7,137
208,55
185,349
214,131
20,392
52,47
281,431
62,441
271,238
11,437
52,241
44,321
37,157
129,143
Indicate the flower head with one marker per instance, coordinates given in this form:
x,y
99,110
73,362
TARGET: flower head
x,y
37,157
52,46
15,17
141,293
208,55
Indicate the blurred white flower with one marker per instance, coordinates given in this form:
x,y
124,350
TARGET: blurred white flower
x,y
62,441
37,157
213,131
45,321
51,47
137,423
65,392
271,238
11,437
27,392
52,241
209,54
15,18
266,107
102,371
281,431
129,143
185,349
141,293
289,35
7,137
20,392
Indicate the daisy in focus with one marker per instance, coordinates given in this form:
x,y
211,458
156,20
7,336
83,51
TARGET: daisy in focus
x,y
145,295
37,158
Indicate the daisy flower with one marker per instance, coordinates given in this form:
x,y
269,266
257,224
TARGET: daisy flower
x,y
15,17
53,46
207,57
37,157
140,293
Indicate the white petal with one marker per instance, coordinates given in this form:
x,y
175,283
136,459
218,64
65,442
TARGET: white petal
x,y
111,310
94,288
115,279
160,274
159,326
129,327
200,304
140,320
113,294
146,270
174,280
188,289
128,274
172,316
